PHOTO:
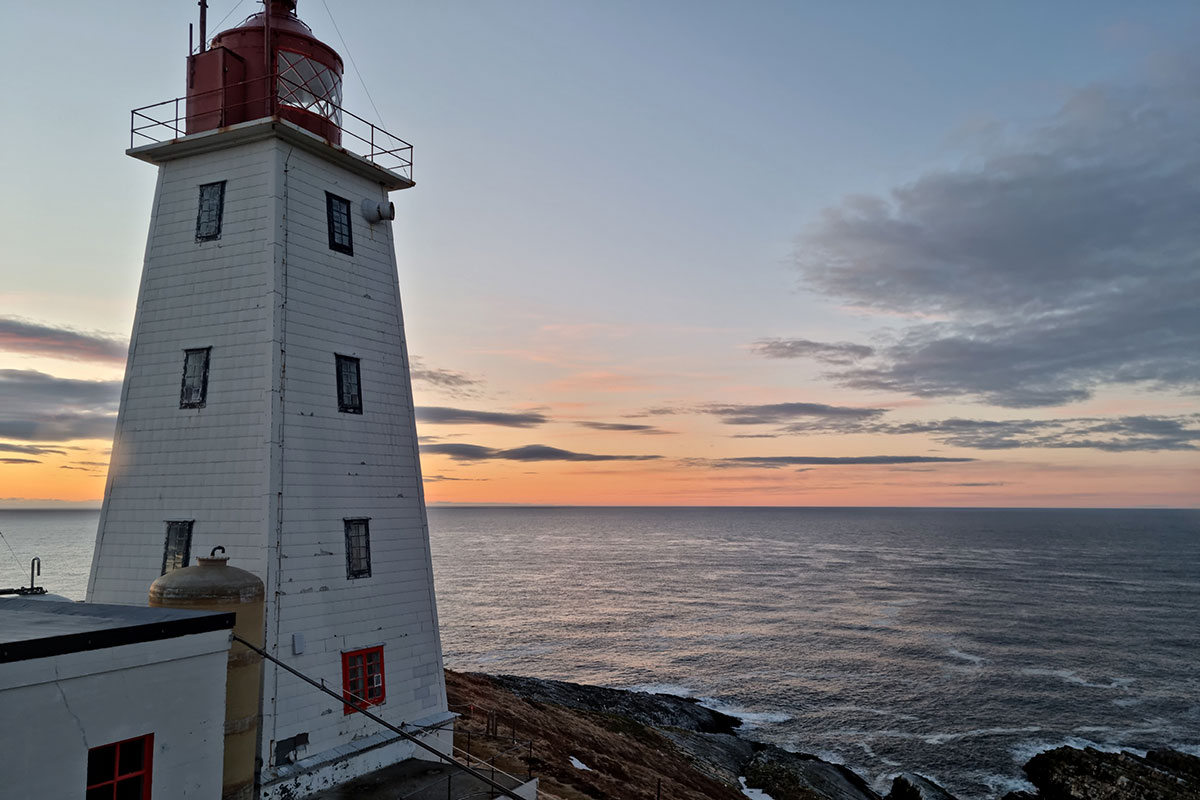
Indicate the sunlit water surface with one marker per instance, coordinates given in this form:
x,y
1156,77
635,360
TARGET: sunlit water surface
x,y
955,643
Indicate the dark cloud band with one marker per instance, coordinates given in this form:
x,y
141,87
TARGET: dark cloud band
x,y
1061,264
531,452
442,415
21,336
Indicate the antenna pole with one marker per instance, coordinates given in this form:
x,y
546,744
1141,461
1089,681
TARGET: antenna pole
x,y
269,55
203,25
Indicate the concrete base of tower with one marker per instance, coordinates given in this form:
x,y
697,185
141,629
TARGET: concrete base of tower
x,y
315,775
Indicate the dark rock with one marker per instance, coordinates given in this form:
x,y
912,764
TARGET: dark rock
x,y
796,776
1183,765
1019,796
910,786
1066,773
658,710
721,756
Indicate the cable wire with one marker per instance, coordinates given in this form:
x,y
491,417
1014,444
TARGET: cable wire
x,y
217,27
346,50
14,552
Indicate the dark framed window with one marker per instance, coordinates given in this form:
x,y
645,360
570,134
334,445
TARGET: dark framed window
x,y
338,209
177,552
358,548
362,678
121,770
349,385
212,207
194,391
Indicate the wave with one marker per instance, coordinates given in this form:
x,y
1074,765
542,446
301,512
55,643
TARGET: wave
x,y
942,738
1071,676
750,719
1026,750
675,689
973,659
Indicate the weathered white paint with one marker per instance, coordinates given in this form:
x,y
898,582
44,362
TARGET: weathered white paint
x,y
269,468
56,708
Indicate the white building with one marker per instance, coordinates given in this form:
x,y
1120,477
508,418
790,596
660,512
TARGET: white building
x,y
109,701
267,404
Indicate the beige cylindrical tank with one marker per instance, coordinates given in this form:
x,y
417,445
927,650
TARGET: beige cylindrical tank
x,y
213,585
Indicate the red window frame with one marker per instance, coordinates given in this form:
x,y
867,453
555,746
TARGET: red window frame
x,y
362,678
107,788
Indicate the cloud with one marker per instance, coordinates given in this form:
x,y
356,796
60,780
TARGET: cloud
x,y
441,415
448,381
30,338
623,426
530,452
1064,262
840,353
35,406
31,449
775,413
774,462
19,461
1116,434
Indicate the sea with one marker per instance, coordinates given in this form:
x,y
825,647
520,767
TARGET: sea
x,y
955,643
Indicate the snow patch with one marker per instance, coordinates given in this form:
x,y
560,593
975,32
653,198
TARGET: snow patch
x,y
577,764
753,794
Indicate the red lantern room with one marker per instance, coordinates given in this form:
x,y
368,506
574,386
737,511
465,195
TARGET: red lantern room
x,y
269,65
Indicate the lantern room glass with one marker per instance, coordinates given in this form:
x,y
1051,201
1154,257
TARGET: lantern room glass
x,y
309,85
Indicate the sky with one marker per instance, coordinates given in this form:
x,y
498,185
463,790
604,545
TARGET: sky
x,y
687,253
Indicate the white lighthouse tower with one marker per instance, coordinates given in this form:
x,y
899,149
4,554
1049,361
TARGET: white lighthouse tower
x,y
267,404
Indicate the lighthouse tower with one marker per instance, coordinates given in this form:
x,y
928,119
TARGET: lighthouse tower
x,y
267,403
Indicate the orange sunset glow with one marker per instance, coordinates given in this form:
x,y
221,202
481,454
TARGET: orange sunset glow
x,y
656,281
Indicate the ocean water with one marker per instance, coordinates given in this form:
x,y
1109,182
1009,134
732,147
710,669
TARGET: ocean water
x,y
955,643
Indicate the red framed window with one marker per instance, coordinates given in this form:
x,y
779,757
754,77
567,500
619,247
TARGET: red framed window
x,y
121,770
362,678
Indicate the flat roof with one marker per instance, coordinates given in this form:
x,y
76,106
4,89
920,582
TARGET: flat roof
x,y
43,628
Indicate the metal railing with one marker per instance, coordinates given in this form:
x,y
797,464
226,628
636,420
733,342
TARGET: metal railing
x,y
505,747
165,121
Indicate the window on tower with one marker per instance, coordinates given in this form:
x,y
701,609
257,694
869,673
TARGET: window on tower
x,y
120,770
212,205
339,224
349,386
358,548
362,678
177,551
194,391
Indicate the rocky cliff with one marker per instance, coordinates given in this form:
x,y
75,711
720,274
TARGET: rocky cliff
x,y
591,742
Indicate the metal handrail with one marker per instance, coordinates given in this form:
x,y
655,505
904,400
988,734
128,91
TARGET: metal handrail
x,y
166,121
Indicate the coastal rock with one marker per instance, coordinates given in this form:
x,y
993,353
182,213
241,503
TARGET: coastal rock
x,y
795,776
1066,773
722,756
1186,767
910,786
657,710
